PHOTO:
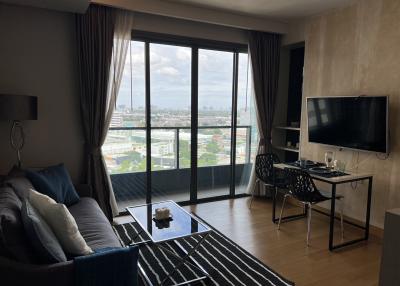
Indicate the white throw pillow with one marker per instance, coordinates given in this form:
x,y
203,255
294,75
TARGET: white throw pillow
x,y
40,202
61,222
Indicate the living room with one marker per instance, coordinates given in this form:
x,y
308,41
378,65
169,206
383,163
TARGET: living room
x,y
169,135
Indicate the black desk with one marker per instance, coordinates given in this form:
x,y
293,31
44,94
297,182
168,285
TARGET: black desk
x,y
334,181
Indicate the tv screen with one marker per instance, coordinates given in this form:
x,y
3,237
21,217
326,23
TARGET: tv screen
x,y
350,122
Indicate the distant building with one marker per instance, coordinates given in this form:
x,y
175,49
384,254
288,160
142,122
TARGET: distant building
x,y
117,148
162,148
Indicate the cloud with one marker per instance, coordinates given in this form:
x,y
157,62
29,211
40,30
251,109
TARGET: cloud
x,y
168,71
137,59
184,54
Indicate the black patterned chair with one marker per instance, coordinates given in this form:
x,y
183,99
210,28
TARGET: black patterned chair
x,y
301,187
266,173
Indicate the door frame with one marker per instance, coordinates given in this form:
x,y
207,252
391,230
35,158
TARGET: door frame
x,y
195,44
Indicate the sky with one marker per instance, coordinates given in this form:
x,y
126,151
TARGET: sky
x,y
170,78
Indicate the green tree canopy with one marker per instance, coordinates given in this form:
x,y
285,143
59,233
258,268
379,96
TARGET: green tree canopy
x,y
212,147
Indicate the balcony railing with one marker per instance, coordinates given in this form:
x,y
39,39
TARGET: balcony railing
x,y
171,179
177,139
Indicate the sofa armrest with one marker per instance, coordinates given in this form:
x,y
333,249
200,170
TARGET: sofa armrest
x,y
84,190
108,267
20,274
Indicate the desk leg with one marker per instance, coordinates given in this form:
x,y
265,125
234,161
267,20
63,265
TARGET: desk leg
x,y
367,218
332,217
274,205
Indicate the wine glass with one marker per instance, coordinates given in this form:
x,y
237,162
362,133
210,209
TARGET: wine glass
x,y
329,159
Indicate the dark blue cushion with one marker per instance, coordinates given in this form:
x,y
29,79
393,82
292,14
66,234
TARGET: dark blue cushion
x,y
43,240
108,267
56,183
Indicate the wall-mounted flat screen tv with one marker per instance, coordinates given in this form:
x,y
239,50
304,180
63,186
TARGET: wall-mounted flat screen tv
x,y
355,122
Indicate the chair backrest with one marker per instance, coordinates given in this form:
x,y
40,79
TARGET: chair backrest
x,y
300,183
265,167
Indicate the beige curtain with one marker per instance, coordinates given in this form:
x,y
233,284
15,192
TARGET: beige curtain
x,y
122,38
95,32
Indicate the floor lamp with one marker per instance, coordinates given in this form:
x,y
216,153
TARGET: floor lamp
x,y
17,108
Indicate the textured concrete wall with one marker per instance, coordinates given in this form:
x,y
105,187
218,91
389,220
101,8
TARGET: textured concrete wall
x,y
355,51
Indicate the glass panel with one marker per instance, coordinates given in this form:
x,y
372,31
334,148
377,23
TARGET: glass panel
x,y
170,74
163,149
215,112
125,156
246,132
242,145
130,105
214,147
125,150
184,148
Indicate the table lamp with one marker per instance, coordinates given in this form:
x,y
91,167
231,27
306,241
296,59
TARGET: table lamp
x,y
17,108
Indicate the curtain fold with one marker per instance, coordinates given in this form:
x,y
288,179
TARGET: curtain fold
x,y
103,36
95,36
264,51
122,38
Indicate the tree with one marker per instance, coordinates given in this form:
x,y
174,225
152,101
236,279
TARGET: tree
x,y
140,166
184,154
125,166
213,147
217,131
207,159
134,156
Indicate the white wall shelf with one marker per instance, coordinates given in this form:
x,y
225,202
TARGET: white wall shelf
x,y
291,149
287,128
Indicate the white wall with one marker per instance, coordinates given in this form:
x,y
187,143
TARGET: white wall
x,y
199,14
38,57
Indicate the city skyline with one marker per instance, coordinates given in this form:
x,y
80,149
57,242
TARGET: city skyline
x,y
170,107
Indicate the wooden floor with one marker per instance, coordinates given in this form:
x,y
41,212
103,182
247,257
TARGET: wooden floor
x,y
286,252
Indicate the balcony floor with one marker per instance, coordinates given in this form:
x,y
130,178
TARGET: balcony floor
x,y
135,199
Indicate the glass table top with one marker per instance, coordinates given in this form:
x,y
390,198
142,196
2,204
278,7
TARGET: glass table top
x,y
181,225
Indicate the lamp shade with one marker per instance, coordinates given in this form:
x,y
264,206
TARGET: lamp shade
x,y
18,107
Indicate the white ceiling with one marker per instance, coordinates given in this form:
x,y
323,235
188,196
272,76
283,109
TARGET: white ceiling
x,y
76,6
278,9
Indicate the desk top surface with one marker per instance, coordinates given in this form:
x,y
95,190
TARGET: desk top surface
x,y
352,176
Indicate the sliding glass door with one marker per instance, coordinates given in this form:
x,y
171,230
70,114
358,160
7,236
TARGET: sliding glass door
x,y
125,147
214,123
181,128
170,109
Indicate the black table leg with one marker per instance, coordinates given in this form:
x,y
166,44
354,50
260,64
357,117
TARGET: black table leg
x,y
332,217
367,218
364,227
274,205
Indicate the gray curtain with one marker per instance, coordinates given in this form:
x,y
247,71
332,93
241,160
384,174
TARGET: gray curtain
x,y
265,56
95,36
